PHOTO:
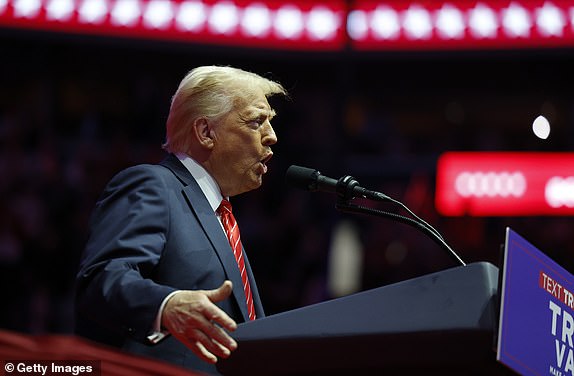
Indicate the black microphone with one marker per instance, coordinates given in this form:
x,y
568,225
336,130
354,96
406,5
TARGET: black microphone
x,y
346,187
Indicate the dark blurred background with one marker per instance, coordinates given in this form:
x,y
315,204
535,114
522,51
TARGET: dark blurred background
x,y
75,110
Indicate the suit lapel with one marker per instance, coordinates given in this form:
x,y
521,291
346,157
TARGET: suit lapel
x,y
212,227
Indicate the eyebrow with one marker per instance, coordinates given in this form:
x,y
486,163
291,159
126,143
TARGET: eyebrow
x,y
256,112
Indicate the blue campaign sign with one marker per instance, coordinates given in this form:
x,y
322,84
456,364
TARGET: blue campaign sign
x,y
536,313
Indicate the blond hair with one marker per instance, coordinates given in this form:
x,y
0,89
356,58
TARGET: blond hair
x,y
210,92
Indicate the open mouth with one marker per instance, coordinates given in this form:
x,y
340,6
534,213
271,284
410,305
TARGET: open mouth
x,y
264,162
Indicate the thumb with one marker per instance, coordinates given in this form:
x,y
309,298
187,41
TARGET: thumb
x,y
221,293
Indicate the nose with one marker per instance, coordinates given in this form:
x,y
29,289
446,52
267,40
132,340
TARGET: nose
x,y
269,137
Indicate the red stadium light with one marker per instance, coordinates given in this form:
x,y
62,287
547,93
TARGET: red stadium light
x,y
505,184
326,25
295,24
376,25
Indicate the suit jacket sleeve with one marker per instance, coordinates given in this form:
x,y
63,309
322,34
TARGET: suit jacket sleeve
x,y
115,285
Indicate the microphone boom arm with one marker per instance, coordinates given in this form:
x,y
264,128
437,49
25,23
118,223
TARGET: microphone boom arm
x,y
347,207
348,188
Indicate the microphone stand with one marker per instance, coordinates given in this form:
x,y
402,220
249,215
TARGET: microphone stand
x,y
345,193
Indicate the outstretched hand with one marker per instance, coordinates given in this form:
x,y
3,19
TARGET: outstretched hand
x,y
194,319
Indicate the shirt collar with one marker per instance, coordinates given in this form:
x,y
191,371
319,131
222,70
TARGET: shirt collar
x,y
206,183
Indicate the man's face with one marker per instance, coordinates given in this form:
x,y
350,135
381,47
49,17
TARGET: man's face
x,y
242,145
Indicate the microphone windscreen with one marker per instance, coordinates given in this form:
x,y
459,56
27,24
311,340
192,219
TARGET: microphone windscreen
x,y
301,177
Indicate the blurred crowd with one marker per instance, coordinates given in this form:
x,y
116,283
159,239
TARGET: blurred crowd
x,y
72,115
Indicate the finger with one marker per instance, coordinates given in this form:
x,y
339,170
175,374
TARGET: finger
x,y
215,314
220,336
223,347
199,328
179,309
216,348
209,347
193,342
221,293
200,350
208,326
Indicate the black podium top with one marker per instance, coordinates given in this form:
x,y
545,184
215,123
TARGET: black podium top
x,y
441,323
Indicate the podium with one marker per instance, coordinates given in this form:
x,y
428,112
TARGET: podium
x,y
444,323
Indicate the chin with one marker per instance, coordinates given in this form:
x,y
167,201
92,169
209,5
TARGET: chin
x,y
257,182
258,185
248,187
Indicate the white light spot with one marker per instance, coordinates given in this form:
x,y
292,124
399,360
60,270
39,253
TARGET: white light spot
x,y
289,22
158,14
27,8
256,20
541,127
223,18
345,262
93,11
322,23
3,5
490,184
191,15
385,23
126,12
560,192
60,10
550,20
483,22
516,21
417,23
357,24
450,22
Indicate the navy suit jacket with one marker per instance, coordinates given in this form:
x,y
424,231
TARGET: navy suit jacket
x,y
153,232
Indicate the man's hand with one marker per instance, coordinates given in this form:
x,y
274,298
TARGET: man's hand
x,y
193,319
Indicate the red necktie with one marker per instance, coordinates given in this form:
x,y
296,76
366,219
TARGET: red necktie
x,y
232,232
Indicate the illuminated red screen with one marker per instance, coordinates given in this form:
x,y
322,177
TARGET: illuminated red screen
x,y
293,24
505,184
390,25
318,25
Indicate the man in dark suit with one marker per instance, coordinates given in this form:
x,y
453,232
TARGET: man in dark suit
x,y
159,276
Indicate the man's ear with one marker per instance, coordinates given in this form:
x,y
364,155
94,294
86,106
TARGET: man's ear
x,y
203,132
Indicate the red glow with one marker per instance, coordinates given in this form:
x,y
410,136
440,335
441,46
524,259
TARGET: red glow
x,y
505,184
327,25
296,24
462,24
